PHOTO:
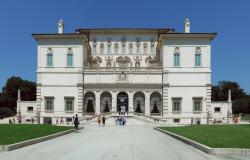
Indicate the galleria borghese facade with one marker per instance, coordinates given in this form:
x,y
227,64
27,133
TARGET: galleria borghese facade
x,y
157,73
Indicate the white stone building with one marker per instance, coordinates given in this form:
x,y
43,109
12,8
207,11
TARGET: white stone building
x,y
153,72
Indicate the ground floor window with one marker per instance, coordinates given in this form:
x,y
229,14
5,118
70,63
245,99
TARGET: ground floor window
x,y
176,104
47,120
30,109
217,109
197,104
69,104
49,103
176,120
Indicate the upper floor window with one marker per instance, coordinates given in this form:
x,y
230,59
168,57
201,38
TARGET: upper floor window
x,y
94,45
145,48
123,44
130,47
69,104
101,48
176,104
197,104
50,57
109,45
70,57
138,46
176,56
152,46
49,103
198,57
116,47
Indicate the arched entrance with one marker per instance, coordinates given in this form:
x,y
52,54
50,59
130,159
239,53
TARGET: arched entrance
x,y
122,102
106,102
139,102
89,103
155,103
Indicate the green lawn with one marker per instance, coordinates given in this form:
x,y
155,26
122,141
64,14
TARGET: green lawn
x,y
20,132
216,136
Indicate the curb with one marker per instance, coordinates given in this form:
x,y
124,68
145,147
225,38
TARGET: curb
x,y
22,144
206,149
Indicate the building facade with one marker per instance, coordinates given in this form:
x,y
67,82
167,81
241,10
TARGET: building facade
x,y
152,72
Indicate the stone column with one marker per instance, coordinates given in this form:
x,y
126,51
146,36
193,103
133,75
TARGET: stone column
x,y
147,103
97,103
130,101
114,101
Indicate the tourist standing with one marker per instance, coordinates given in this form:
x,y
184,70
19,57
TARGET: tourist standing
x,y
99,120
76,122
103,120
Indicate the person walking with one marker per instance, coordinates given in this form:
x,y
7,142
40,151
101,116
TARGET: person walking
x,y
99,120
103,120
76,122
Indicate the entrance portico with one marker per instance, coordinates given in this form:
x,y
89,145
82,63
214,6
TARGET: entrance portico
x,y
138,101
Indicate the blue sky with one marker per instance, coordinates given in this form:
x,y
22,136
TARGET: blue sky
x,y
230,19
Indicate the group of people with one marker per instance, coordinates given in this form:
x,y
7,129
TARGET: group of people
x,y
101,120
121,120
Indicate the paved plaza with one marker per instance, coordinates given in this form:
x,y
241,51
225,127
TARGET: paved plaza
x,y
136,141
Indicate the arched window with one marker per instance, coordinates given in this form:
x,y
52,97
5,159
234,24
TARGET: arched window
x,y
145,48
152,46
138,46
198,57
116,48
109,45
176,57
130,48
101,48
123,44
49,57
70,57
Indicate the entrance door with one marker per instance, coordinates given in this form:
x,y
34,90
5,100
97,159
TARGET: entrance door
x,y
122,102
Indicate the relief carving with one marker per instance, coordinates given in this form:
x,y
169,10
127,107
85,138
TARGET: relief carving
x,y
94,61
152,61
108,61
137,61
123,61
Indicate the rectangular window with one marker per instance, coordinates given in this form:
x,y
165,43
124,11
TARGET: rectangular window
x,y
137,48
49,60
176,59
109,48
197,104
152,48
217,109
94,48
69,60
176,120
30,109
176,104
123,48
197,60
49,103
69,104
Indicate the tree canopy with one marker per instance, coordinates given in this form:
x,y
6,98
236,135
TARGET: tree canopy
x,y
8,96
241,100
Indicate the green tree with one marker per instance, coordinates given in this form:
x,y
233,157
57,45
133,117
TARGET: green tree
x,y
220,91
8,97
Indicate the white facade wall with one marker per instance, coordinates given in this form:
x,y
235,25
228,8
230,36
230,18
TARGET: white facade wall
x,y
91,73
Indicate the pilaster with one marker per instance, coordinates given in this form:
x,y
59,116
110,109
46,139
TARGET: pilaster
x,y
147,103
97,104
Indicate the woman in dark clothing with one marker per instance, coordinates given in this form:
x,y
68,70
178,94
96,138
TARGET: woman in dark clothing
x,y
76,122
103,121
